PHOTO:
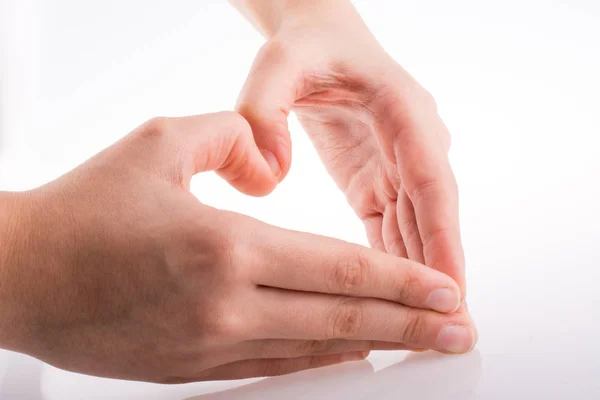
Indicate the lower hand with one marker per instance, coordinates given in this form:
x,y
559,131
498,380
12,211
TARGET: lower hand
x,y
117,270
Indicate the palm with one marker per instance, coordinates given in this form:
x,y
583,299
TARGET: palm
x,y
348,147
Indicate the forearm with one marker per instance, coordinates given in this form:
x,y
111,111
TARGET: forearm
x,y
268,16
12,241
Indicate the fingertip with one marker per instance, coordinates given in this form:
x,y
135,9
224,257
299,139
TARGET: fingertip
x,y
271,159
444,300
445,294
464,309
256,187
456,339
251,170
271,133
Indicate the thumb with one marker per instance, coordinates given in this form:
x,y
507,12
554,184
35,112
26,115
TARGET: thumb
x,y
220,142
265,101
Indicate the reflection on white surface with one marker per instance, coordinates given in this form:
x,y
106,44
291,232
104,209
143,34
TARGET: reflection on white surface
x,y
564,375
428,376
386,375
318,384
414,376
418,376
507,375
341,381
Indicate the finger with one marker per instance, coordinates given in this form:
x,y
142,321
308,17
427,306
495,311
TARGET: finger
x,y
407,222
373,227
305,262
463,309
394,244
281,348
284,314
266,100
410,127
222,142
277,366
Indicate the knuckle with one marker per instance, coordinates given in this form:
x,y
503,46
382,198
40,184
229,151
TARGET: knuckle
x,y
227,259
413,329
349,274
236,123
397,247
225,251
346,319
214,254
432,235
406,287
228,325
238,261
409,230
218,323
154,128
421,189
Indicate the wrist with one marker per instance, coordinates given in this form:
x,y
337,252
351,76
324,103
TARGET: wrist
x,y
270,17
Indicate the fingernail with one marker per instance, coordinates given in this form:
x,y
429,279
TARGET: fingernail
x,y
272,161
443,300
456,339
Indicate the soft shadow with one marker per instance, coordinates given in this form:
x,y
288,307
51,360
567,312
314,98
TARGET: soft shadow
x,y
22,378
322,383
429,375
418,376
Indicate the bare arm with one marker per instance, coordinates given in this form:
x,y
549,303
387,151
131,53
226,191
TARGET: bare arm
x,y
267,16
12,237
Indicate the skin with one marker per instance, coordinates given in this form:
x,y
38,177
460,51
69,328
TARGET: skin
x,y
115,269
375,128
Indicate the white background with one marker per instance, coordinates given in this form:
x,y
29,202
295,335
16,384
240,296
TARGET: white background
x,y
518,85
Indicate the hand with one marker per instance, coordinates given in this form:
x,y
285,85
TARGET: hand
x,y
121,272
375,128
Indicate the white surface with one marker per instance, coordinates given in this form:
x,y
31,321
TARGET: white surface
x,y
517,83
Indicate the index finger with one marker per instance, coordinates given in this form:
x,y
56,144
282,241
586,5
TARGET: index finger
x,y
305,262
414,136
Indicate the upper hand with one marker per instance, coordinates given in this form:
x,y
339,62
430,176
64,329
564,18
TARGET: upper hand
x,y
375,128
